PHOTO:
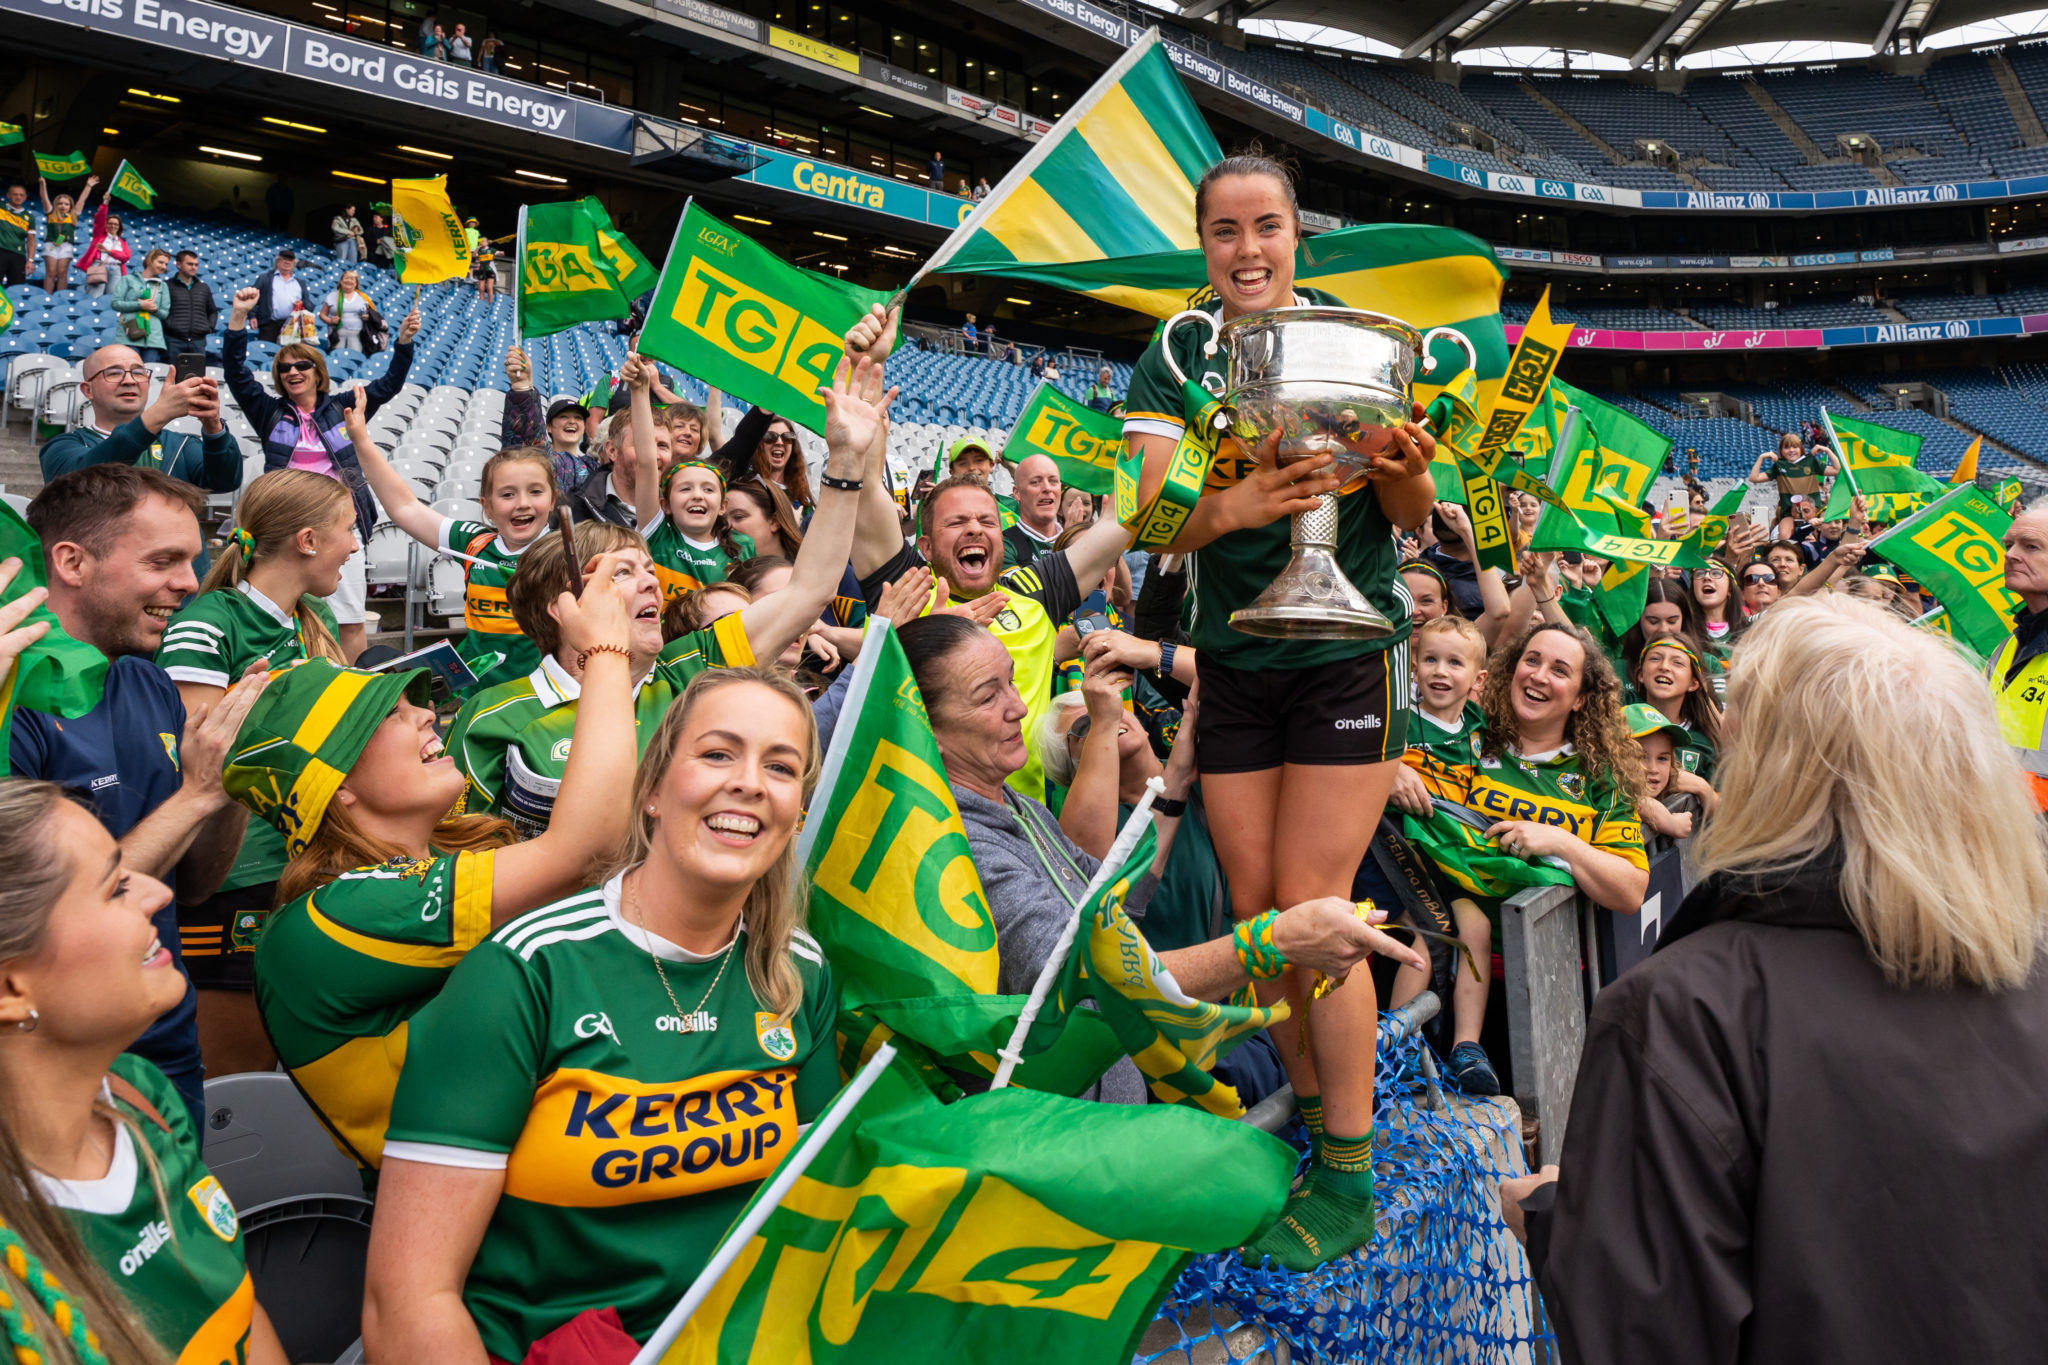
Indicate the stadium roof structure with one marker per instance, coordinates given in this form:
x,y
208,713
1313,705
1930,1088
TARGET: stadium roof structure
x,y
1640,31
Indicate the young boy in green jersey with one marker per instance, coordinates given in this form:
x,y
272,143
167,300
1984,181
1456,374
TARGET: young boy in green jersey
x,y
1449,665
517,489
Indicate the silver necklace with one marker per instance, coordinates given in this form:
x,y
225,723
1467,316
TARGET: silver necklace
x,y
724,958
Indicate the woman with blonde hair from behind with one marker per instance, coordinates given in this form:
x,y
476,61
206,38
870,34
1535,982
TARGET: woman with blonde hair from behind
x,y
683,984
260,608
1828,1077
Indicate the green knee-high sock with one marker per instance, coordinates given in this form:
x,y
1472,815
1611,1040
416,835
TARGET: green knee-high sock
x,y
1330,1215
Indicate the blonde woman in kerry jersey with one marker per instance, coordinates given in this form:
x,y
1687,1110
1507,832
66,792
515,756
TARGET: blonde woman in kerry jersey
x,y
679,993
116,1244
259,608
518,491
1289,730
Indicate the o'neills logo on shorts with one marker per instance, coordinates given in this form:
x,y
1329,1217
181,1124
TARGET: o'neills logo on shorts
x,y
1358,723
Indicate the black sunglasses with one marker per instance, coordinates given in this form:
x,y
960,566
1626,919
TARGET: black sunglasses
x,y
294,366
776,438
1747,579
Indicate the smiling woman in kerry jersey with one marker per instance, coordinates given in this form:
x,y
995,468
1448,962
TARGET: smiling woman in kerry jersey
x,y
384,891
1288,730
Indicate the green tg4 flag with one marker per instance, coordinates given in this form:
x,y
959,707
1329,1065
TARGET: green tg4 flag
x,y
738,317
1007,1226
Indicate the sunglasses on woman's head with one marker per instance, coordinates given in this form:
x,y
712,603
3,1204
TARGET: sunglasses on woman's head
x,y
294,366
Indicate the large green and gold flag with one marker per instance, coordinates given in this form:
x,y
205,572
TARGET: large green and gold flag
x,y
6,312
129,187
1454,838
62,166
635,273
57,674
1874,459
1629,451
1007,1226
1114,178
738,317
428,232
1084,443
10,134
1955,549
564,276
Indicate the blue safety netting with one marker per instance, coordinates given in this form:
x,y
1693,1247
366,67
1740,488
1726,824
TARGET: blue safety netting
x,y
1444,1281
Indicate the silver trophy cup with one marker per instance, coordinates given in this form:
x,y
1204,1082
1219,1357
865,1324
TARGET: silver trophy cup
x,y
1331,381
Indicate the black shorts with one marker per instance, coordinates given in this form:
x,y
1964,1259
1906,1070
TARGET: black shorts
x,y
218,938
1347,713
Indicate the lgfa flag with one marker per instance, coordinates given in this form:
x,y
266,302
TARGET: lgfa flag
x,y
634,272
131,188
732,313
1007,1226
1954,548
56,166
56,674
10,134
564,277
1084,443
1115,177
424,225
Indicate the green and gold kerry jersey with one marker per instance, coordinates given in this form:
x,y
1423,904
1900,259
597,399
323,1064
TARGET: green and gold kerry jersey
x,y
492,644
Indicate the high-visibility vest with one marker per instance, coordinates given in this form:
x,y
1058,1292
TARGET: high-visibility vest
x,y
2023,712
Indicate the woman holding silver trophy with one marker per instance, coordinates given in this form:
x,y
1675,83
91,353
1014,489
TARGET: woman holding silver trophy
x,y
1284,405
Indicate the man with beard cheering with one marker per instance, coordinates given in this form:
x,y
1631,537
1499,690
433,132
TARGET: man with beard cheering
x,y
960,535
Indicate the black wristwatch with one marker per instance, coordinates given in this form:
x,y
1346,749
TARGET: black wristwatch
x,y
1173,810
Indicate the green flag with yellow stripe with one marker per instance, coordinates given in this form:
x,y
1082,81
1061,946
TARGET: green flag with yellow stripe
x,y
63,165
1007,1226
1115,177
10,134
129,187
1954,548
564,276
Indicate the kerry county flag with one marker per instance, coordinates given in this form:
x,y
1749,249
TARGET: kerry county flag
x,y
1874,459
131,188
1954,548
737,316
1084,443
1007,1226
1115,177
432,245
636,274
564,275
56,674
10,134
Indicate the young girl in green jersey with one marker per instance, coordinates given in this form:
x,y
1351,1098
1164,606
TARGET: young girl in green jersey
x,y
679,991
101,1181
518,491
1672,676
1289,730
686,532
261,607
384,888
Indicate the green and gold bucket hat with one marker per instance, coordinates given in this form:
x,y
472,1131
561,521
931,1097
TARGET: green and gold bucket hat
x,y
304,734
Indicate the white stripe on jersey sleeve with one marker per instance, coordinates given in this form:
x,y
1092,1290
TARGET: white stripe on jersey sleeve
x,y
208,676
804,946
1147,426
194,623
439,1154
578,907
570,935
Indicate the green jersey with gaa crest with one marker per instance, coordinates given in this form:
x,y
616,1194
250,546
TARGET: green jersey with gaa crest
x,y
342,969
1554,789
630,1134
684,565
210,640
512,741
178,1261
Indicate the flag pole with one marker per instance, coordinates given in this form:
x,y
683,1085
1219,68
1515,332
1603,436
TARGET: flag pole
x,y
518,278
1112,862
770,1199
1841,455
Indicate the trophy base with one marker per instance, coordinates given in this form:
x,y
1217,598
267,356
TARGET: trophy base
x,y
1312,600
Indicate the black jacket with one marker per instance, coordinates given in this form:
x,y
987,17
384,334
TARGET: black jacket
x,y
192,312
1775,1158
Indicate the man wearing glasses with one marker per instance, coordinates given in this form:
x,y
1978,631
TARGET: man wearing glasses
x,y
128,429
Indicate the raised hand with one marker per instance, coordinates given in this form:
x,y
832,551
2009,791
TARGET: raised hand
x,y
244,301
14,636
856,408
875,334
600,615
906,598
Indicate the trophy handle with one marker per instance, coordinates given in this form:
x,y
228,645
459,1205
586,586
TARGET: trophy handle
x,y
1166,340
1428,360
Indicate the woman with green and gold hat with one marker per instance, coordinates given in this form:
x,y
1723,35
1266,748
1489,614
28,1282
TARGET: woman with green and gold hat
x,y
383,891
